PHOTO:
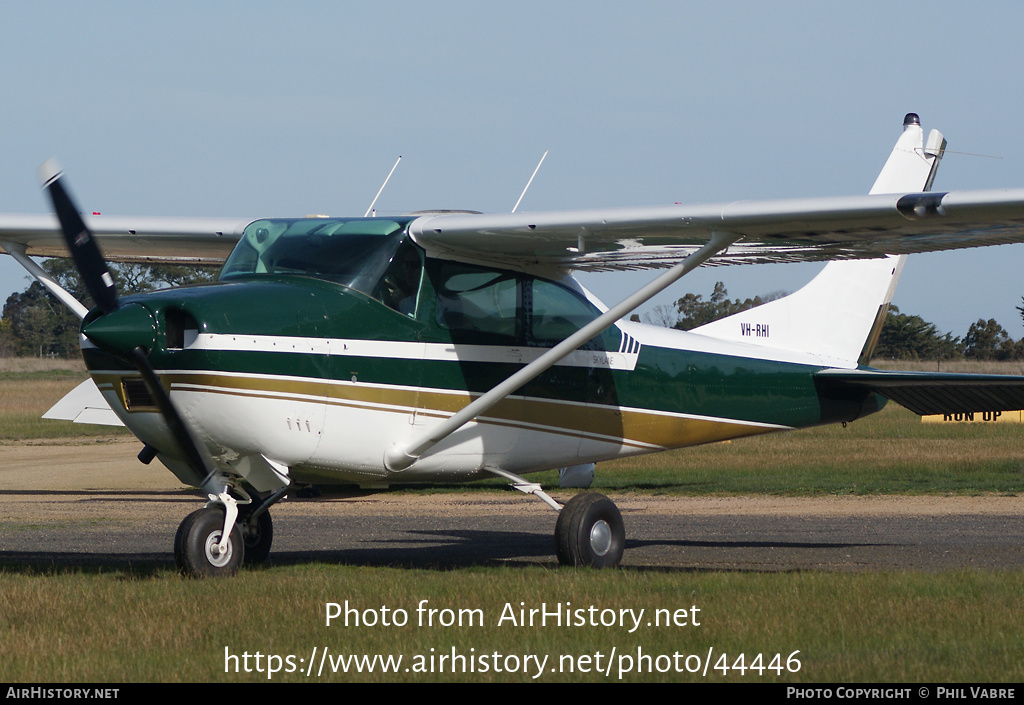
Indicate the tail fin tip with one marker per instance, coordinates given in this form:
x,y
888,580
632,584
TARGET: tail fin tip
x,y
839,314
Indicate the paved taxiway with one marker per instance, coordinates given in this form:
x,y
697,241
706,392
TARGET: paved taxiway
x,y
93,505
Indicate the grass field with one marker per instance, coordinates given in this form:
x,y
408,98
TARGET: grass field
x,y
129,625
905,627
29,387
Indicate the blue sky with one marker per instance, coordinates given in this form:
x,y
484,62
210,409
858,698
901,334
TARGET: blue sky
x,y
264,109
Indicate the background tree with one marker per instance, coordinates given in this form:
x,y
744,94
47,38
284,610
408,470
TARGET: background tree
x,y
987,340
9,345
693,311
908,337
663,315
39,323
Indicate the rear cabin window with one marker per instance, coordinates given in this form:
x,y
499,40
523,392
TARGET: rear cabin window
x,y
474,300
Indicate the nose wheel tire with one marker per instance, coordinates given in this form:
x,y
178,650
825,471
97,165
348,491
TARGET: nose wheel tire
x,y
196,545
589,532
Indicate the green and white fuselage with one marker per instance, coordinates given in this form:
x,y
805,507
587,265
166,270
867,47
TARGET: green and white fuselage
x,y
332,374
451,346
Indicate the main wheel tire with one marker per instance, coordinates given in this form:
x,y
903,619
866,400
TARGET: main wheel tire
x,y
195,545
590,532
257,535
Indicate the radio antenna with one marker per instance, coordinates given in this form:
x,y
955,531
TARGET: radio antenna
x,y
368,210
529,182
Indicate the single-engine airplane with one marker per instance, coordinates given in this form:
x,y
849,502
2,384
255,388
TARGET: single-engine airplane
x,y
455,346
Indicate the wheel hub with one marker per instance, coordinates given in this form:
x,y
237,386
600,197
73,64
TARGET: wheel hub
x,y
601,537
217,558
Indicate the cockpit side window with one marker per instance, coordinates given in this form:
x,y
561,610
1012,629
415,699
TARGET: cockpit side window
x,y
481,305
556,312
399,288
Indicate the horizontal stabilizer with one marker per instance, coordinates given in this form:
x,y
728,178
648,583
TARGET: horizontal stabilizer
x,y
927,393
84,404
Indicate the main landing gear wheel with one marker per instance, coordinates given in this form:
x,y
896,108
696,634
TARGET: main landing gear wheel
x,y
196,545
257,535
589,532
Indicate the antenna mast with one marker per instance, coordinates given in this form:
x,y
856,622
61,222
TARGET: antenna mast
x,y
530,181
367,213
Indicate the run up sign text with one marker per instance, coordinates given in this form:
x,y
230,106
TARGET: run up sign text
x,y
977,417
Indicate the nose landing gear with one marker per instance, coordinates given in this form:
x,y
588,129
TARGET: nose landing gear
x,y
198,549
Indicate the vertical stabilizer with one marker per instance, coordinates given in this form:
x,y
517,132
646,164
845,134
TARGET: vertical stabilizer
x,y
839,314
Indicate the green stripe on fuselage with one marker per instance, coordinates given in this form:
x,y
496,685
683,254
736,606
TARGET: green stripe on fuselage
x,y
672,381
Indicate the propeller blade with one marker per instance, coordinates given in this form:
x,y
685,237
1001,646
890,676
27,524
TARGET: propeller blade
x,y
131,326
83,248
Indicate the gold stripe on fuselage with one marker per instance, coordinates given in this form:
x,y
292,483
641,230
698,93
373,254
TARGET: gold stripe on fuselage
x,y
636,428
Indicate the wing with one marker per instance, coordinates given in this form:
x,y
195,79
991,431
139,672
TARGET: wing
x,y
812,229
130,239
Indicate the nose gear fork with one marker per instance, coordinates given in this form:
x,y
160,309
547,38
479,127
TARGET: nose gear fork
x,y
209,541
230,505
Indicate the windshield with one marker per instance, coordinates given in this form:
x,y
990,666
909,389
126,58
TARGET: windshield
x,y
353,252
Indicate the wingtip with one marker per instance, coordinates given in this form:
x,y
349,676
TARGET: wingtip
x,y
48,172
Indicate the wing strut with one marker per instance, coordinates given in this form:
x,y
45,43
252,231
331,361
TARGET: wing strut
x,y
398,457
17,251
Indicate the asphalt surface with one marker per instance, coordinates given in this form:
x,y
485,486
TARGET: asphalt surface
x,y
107,526
92,504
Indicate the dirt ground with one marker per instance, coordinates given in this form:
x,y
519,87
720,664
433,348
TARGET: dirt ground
x,y
32,472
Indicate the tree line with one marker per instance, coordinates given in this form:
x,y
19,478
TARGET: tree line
x,y
903,337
